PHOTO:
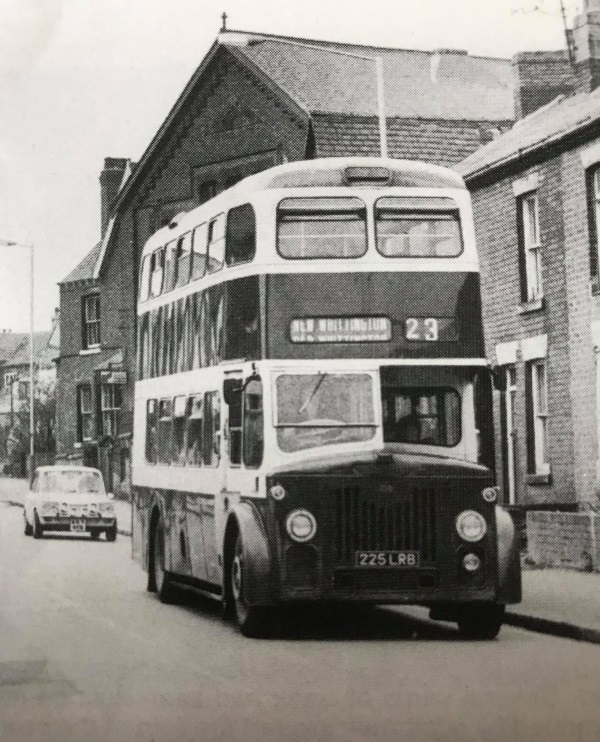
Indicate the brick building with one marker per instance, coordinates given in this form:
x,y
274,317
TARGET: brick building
x,y
256,100
536,198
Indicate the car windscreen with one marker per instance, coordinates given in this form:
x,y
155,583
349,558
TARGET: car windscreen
x,y
72,482
321,409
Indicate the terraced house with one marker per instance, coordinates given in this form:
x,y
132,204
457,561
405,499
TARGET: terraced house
x,y
256,100
536,197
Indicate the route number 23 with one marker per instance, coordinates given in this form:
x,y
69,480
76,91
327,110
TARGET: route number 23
x,y
422,328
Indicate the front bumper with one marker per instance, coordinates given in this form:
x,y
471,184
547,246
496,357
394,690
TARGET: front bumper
x,y
85,525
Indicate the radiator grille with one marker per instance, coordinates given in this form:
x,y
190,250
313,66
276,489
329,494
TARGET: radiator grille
x,y
365,521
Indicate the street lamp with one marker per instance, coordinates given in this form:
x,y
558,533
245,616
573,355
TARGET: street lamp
x,y
10,243
241,39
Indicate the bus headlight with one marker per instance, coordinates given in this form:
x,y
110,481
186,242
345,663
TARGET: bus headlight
x,y
49,509
490,494
471,526
301,525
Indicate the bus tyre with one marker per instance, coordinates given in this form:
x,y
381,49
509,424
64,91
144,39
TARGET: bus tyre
x,y
480,620
28,530
38,531
111,533
159,577
253,621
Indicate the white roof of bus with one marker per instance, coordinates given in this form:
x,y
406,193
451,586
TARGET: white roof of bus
x,y
263,180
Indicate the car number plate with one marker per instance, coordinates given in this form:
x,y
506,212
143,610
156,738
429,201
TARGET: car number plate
x,y
387,558
78,526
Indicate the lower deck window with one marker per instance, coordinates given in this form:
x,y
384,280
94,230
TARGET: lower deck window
x,y
419,415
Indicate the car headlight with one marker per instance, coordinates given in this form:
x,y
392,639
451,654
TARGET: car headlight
x,y
49,508
301,525
471,526
106,508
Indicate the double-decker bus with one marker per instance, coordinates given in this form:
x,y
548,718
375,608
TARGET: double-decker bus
x,y
313,415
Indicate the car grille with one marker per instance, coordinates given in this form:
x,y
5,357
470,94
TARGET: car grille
x,y
66,510
398,521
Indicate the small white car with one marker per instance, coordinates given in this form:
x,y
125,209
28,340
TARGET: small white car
x,y
69,498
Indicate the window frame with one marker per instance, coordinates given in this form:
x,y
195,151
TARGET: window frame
x,y
593,200
91,336
538,414
230,253
313,211
110,411
85,417
530,247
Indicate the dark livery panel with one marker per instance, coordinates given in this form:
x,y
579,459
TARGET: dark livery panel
x,y
374,315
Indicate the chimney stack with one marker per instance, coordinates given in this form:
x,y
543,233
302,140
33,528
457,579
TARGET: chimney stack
x,y
586,40
538,78
111,178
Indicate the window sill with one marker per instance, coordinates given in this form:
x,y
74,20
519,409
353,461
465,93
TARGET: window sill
x,y
539,479
535,305
89,351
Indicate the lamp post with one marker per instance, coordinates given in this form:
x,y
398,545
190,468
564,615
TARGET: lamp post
x,y
240,39
10,243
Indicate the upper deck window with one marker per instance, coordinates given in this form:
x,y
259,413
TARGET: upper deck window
x,y
145,278
417,228
157,269
216,244
321,228
184,259
240,239
170,265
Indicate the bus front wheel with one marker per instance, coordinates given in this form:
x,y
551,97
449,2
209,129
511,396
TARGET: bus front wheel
x,y
480,620
253,621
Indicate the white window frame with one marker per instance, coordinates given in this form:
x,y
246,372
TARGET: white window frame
x,y
532,245
595,195
539,401
85,412
109,409
91,329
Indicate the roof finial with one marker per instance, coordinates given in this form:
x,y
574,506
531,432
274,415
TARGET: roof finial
x,y
224,26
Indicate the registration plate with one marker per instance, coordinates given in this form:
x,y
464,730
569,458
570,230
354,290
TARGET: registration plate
x,y
387,558
77,526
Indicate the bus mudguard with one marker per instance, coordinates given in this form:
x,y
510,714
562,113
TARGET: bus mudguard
x,y
509,565
257,557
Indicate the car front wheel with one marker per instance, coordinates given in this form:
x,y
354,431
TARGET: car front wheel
x,y
111,533
38,531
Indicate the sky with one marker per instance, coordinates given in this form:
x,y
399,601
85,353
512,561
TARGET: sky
x,y
81,80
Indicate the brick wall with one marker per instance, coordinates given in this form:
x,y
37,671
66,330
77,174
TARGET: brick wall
x,y
495,211
563,540
538,78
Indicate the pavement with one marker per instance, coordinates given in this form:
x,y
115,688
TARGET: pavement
x,y
558,602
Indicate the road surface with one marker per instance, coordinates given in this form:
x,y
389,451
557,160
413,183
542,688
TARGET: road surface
x,y
87,654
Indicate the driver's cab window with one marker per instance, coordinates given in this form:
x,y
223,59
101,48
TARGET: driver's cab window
x,y
233,398
253,437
